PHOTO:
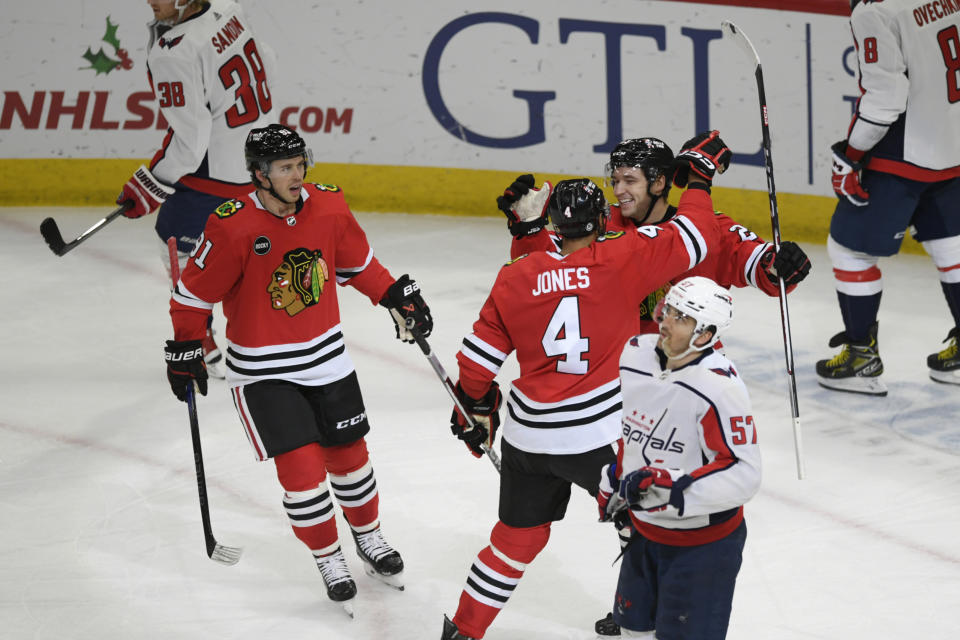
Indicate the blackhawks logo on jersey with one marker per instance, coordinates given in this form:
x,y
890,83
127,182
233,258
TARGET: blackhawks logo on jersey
x,y
298,282
228,208
650,303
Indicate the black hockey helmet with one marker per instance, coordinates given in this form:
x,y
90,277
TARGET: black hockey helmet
x,y
577,208
274,142
650,155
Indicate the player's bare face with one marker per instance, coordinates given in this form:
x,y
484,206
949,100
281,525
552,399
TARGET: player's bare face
x,y
287,178
630,188
163,9
676,330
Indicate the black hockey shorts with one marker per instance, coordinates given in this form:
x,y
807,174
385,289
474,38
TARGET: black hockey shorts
x,y
535,487
280,416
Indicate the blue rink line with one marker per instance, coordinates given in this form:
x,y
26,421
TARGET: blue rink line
x,y
921,411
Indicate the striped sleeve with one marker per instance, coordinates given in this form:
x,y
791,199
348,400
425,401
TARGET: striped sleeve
x,y
692,238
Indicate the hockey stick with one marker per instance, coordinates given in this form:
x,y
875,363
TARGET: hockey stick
x,y
51,232
741,39
451,389
215,551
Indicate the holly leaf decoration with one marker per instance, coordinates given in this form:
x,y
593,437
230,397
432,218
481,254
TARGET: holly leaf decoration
x,y
110,37
99,61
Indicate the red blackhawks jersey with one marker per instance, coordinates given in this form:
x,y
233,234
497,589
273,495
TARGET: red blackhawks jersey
x,y
275,277
209,76
734,262
567,318
695,421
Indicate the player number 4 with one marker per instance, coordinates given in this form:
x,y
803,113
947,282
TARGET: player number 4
x,y
562,337
740,426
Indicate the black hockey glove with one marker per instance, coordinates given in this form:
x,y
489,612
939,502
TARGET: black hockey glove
x,y
791,262
185,366
407,308
705,155
486,416
524,206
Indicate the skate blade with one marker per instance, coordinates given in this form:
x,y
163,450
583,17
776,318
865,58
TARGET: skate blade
x,y
395,581
865,386
945,377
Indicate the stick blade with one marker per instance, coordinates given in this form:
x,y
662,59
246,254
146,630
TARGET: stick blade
x,y
225,555
732,31
51,233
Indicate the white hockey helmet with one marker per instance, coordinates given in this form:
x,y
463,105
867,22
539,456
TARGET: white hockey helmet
x,y
706,302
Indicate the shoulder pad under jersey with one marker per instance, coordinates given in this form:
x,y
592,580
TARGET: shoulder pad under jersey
x,y
228,208
332,188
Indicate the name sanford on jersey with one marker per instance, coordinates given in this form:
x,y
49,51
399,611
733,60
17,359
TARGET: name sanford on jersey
x,y
562,280
227,34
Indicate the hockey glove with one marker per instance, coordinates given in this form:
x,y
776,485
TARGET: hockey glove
x,y
704,155
145,192
790,262
609,502
485,413
524,206
847,165
185,366
407,308
653,488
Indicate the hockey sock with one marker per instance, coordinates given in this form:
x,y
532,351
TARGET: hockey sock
x,y
354,485
306,498
945,253
495,574
951,291
859,313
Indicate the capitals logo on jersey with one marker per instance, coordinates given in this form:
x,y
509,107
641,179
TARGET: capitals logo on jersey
x,y
298,281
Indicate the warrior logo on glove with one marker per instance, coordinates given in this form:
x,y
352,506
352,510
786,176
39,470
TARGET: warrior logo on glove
x,y
298,282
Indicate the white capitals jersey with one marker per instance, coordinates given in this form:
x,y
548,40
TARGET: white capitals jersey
x,y
909,112
697,422
209,76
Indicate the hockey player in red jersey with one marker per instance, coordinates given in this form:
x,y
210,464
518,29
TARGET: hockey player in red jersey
x,y
272,257
639,171
207,71
688,460
566,314
897,170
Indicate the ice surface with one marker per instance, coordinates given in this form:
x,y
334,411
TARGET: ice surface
x,y
101,536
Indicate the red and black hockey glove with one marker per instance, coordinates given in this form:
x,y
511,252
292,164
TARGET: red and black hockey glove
x,y
185,366
847,165
791,262
608,500
407,308
705,155
485,413
524,206
653,488
145,192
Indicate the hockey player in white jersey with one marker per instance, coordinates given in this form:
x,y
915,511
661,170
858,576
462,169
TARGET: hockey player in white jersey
x,y
688,460
898,169
208,74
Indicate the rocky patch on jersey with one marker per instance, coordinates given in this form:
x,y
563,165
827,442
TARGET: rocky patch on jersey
x,y
299,280
228,208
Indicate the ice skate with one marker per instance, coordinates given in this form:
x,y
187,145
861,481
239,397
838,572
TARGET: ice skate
x,y
450,631
380,560
606,626
212,356
857,368
945,365
336,576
